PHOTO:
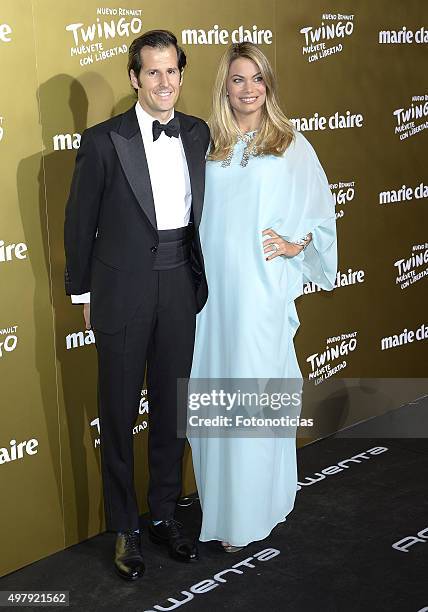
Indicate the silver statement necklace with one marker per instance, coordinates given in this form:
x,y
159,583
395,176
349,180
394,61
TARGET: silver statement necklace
x,y
249,150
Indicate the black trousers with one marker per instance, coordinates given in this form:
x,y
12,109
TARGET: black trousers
x,y
160,334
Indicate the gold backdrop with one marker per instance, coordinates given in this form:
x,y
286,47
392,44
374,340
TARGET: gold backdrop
x,y
352,80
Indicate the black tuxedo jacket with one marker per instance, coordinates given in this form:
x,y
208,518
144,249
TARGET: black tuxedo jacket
x,y
110,223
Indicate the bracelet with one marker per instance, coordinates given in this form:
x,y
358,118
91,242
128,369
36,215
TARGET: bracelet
x,y
303,241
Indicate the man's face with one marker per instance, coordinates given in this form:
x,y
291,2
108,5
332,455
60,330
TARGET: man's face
x,y
159,81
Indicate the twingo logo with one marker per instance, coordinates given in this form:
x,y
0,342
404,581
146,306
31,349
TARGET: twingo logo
x,y
16,451
337,121
143,409
337,347
340,466
219,36
407,267
5,32
342,194
61,142
404,194
1,128
212,583
406,117
8,340
403,36
405,337
404,544
89,39
343,279
9,251
78,339
317,39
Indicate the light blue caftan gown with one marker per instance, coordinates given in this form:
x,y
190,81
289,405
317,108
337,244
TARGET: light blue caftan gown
x,y
248,485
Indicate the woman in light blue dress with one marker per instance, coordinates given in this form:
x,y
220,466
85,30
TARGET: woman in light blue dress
x,y
268,226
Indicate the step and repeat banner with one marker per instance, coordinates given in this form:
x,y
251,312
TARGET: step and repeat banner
x,y
353,79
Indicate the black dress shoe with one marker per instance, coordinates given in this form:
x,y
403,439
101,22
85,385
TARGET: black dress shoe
x,y
128,561
171,534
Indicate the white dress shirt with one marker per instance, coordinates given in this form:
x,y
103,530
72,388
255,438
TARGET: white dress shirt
x,y
169,177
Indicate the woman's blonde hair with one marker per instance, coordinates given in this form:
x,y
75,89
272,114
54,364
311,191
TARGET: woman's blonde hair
x,y
275,132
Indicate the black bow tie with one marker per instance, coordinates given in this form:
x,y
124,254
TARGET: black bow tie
x,y
172,128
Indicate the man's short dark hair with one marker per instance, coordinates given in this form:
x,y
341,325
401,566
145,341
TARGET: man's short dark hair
x,y
157,39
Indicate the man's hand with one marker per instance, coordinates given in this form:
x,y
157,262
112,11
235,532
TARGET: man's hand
x,y
87,315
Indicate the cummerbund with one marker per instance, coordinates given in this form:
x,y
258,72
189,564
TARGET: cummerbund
x,y
173,249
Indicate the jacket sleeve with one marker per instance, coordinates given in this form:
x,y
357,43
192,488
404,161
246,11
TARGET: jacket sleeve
x,y
81,215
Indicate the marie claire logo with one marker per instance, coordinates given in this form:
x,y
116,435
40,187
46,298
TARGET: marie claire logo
x,y
78,339
62,142
407,268
343,279
340,466
212,583
143,409
343,193
407,118
16,451
403,36
323,365
404,194
420,538
5,32
8,340
324,40
89,40
1,128
405,337
8,252
220,36
337,121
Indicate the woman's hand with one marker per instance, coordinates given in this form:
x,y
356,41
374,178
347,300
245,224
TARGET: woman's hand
x,y
275,245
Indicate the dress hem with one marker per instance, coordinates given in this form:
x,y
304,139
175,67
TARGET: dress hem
x,y
250,541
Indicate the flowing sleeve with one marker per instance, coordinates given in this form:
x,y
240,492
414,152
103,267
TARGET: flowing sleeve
x,y
310,208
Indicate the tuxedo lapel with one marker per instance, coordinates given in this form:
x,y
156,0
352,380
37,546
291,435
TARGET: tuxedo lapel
x,y
194,156
129,146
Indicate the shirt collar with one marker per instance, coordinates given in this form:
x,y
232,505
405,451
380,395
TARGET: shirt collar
x,y
145,120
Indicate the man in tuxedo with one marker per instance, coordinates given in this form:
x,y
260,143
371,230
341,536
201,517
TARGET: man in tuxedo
x,y
132,241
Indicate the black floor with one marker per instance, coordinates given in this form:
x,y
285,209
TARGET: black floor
x,y
334,553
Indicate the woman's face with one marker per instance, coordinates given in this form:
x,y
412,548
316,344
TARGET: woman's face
x,y
245,86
